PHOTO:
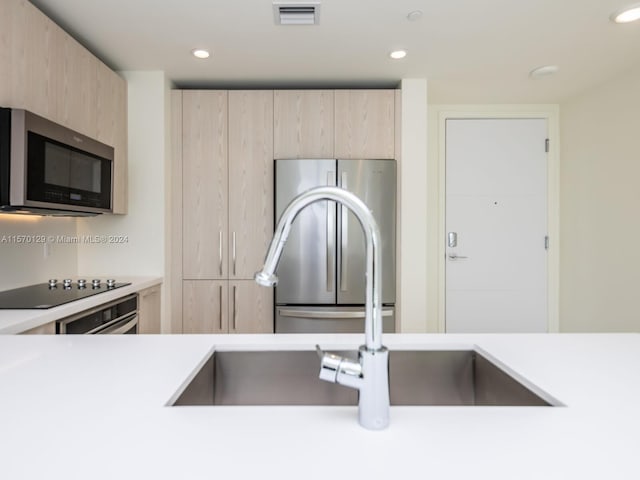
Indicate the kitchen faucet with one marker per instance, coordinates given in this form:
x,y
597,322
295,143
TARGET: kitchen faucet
x,y
370,375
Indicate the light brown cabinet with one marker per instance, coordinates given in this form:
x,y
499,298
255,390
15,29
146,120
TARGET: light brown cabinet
x,y
303,124
250,180
227,209
46,329
149,310
49,73
205,179
365,124
221,306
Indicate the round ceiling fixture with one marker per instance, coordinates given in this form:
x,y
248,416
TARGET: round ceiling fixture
x,y
200,53
627,14
398,54
415,15
543,71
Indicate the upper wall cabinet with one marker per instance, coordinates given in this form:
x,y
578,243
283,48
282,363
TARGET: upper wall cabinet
x,y
364,124
50,74
303,124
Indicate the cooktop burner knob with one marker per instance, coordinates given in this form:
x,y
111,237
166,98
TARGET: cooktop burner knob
x,y
95,282
82,283
66,283
111,282
53,282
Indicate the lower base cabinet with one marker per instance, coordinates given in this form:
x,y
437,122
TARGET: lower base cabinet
x,y
149,310
226,306
46,329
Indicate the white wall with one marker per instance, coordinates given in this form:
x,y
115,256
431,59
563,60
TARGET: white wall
x,y
412,286
25,263
144,226
600,205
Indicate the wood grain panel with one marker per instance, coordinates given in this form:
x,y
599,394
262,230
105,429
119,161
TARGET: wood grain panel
x,y
303,124
250,307
205,306
250,180
13,52
175,227
149,310
364,124
205,192
46,329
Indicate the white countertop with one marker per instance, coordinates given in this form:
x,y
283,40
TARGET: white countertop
x,y
17,321
93,407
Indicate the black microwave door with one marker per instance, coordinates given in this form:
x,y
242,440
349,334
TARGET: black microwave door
x,y
61,174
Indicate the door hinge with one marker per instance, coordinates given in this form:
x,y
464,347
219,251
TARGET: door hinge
x,y
546,145
546,242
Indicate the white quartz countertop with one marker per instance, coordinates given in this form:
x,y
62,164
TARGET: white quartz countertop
x,y
94,407
17,321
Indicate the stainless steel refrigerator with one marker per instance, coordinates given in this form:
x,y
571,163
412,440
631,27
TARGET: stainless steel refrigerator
x,y
321,273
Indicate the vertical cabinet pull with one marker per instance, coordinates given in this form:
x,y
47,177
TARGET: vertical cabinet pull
x,y
220,291
235,309
233,252
220,253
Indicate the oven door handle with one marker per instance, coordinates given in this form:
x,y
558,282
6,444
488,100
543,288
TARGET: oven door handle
x,y
119,328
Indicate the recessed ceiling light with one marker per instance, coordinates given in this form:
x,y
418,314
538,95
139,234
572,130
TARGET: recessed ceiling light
x,y
200,53
543,71
415,15
627,14
398,54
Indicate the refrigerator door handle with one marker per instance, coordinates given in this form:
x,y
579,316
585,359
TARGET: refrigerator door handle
x,y
331,234
324,315
344,239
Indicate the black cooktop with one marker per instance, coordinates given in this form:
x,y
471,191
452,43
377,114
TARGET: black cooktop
x,y
43,295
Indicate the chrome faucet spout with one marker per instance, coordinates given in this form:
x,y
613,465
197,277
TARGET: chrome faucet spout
x,y
370,375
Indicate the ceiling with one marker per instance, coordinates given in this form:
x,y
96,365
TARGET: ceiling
x,y
470,51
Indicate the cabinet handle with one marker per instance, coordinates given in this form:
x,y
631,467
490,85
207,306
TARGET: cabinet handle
x,y
220,253
235,310
233,253
220,291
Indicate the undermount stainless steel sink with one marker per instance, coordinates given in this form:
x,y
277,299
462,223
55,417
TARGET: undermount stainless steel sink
x,y
416,377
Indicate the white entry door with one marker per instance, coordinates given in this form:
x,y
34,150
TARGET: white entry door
x,y
496,225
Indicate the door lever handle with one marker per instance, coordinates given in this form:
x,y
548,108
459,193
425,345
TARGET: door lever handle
x,y
453,256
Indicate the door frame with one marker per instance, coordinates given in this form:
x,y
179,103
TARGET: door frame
x,y
439,115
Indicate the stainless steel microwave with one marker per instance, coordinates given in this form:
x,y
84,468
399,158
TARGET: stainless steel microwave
x,y
48,169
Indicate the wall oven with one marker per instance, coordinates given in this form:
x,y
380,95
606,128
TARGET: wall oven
x,y
48,169
117,317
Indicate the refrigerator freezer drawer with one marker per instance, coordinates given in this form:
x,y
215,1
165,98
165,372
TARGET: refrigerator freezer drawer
x,y
328,319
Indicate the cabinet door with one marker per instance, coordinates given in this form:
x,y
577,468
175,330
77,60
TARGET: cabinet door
x,y
365,124
204,306
303,124
250,307
205,204
250,180
46,329
111,107
149,310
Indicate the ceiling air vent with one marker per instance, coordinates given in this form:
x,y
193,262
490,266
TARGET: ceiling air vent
x,y
290,13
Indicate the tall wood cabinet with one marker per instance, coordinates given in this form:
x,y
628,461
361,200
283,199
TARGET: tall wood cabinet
x,y
46,71
227,210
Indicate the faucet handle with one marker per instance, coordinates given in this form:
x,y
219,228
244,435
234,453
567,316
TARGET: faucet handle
x,y
329,365
337,369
